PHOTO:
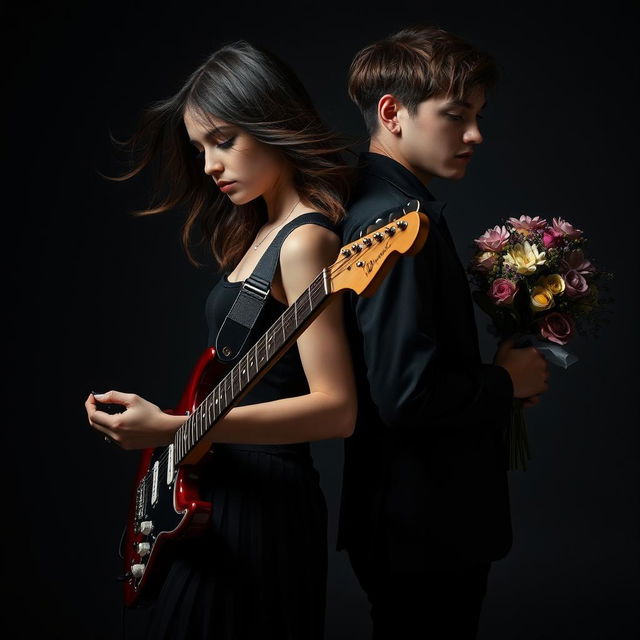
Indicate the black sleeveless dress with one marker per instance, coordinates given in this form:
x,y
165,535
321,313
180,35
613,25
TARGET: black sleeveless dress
x,y
260,573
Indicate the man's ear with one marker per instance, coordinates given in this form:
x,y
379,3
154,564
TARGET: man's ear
x,y
388,107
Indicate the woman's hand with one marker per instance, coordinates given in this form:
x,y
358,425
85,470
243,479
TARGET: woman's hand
x,y
141,425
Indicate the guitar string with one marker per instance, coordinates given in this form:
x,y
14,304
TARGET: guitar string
x,y
285,317
314,288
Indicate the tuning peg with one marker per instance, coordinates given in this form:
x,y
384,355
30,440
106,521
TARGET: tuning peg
x,y
412,205
380,222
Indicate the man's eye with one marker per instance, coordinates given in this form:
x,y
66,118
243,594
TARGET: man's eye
x,y
227,143
454,116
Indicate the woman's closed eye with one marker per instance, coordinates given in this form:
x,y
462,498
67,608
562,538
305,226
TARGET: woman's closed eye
x,y
227,144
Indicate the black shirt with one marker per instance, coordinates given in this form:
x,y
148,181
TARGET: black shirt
x,y
425,471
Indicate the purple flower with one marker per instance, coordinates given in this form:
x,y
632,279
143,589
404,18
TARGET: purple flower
x,y
493,239
576,261
576,285
557,327
502,291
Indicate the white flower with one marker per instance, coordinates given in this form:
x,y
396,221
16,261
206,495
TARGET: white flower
x,y
525,258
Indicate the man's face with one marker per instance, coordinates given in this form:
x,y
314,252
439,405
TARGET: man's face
x,y
439,139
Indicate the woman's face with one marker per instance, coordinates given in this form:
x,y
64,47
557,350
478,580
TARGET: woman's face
x,y
241,166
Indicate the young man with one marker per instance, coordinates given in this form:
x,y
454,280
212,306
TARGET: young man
x,y
425,505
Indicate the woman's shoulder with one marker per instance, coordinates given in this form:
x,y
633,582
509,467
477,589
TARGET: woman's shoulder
x,y
311,237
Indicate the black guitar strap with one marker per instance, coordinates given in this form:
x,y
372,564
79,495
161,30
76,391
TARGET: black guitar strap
x,y
255,290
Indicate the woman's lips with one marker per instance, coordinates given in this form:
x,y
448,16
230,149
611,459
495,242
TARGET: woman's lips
x,y
226,186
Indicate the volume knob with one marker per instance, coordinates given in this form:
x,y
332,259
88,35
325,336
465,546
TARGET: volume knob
x,y
146,527
137,570
144,548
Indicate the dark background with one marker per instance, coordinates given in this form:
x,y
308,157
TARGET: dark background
x,y
96,299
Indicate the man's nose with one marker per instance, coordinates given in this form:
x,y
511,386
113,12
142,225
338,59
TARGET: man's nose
x,y
472,135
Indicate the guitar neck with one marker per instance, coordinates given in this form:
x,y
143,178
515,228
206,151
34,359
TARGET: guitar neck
x,y
191,442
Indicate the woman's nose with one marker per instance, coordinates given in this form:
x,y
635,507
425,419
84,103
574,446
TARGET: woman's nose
x,y
212,165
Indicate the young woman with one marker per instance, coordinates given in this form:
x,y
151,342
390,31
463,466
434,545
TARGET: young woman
x,y
241,146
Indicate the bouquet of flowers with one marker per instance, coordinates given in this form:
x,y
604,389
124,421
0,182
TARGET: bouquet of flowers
x,y
535,281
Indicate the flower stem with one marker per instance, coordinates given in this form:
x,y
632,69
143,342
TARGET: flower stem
x,y
517,443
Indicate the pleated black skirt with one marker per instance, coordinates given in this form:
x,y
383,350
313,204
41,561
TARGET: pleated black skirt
x,y
260,572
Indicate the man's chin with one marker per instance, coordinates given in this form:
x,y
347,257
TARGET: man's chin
x,y
454,174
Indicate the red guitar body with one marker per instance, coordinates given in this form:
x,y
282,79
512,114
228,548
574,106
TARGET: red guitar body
x,y
166,507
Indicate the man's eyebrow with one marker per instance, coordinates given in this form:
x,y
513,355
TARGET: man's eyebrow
x,y
462,103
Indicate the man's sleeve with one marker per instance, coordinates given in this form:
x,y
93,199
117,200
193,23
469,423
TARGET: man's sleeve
x,y
411,383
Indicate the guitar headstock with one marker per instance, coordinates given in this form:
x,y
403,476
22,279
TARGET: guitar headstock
x,y
362,265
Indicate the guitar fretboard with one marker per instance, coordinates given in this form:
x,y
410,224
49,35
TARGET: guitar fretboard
x,y
250,366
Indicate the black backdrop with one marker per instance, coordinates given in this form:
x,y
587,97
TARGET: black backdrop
x,y
96,299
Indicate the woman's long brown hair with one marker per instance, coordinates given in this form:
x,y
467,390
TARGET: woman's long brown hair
x,y
248,87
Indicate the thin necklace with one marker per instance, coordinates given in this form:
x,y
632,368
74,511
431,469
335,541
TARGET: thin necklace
x,y
255,246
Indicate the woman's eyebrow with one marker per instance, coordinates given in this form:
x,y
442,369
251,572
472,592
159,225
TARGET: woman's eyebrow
x,y
216,131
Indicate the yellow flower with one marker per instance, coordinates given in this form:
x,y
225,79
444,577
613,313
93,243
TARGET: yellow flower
x,y
525,257
555,283
541,298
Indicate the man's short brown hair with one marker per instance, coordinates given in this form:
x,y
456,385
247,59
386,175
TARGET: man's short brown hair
x,y
415,64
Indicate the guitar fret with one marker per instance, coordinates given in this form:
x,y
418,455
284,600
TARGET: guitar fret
x,y
210,410
255,358
246,369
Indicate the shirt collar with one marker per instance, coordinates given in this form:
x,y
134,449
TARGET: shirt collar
x,y
401,178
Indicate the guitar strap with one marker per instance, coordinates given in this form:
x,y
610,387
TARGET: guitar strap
x,y
256,289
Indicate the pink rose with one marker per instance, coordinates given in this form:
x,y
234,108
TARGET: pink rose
x,y
562,227
493,239
557,327
575,284
527,224
502,291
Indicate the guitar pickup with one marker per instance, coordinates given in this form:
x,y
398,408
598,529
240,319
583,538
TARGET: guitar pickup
x,y
154,483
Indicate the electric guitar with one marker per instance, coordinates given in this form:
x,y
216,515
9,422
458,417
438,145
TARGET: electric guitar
x,y
166,507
